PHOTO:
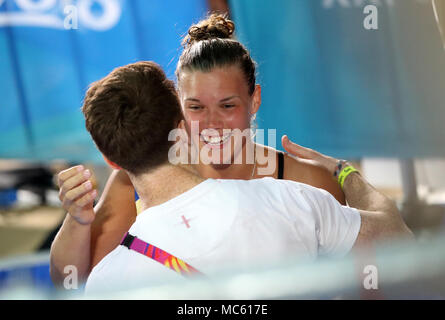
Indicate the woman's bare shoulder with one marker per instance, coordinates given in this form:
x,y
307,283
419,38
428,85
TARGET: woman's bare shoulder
x,y
312,173
305,171
297,169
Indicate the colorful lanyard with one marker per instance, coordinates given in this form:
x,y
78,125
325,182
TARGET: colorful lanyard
x,y
159,255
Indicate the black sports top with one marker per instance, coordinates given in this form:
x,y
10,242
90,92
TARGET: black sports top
x,y
280,164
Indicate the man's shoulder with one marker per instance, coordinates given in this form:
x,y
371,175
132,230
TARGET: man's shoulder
x,y
269,182
266,182
268,186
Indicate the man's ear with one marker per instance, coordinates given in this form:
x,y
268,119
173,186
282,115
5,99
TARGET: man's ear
x,y
256,100
111,163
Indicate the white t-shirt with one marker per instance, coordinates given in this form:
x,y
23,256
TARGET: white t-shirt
x,y
231,222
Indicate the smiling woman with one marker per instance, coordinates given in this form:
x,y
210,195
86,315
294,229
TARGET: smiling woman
x,y
218,90
219,102
219,93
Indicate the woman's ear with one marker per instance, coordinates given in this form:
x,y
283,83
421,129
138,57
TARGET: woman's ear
x,y
256,100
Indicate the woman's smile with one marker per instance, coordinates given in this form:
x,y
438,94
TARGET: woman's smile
x,y
213,139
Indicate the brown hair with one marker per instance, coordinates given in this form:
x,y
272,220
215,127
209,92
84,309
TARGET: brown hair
x,y
210,44
130,113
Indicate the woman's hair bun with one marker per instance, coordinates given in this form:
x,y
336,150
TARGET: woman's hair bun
x,y
215,26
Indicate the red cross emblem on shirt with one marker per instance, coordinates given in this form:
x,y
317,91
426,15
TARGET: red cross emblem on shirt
x,y
184,219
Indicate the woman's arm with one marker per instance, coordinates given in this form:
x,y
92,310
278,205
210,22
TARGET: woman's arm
x,y
298,169
312,173
115,213
380,218
88,234
71,245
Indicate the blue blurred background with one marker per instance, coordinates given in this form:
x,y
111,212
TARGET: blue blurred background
x,y
335,86
46,69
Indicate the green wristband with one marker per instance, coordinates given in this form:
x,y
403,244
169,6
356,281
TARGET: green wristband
x,y
344,173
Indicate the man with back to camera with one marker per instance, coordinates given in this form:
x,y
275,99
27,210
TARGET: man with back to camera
x,y
192,225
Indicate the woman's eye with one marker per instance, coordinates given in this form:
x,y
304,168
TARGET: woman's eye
x,y
194,107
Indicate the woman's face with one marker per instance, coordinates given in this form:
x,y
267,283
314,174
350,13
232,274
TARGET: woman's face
x,y
219,101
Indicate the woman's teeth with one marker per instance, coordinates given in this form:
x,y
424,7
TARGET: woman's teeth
x,y
216,140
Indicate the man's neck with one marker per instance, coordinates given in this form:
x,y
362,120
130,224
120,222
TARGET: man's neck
x,y
163,183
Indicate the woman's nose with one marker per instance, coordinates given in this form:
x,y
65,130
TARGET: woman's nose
x,y
214,119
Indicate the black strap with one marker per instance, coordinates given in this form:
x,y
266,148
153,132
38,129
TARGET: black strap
x,y
127,240
280,165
